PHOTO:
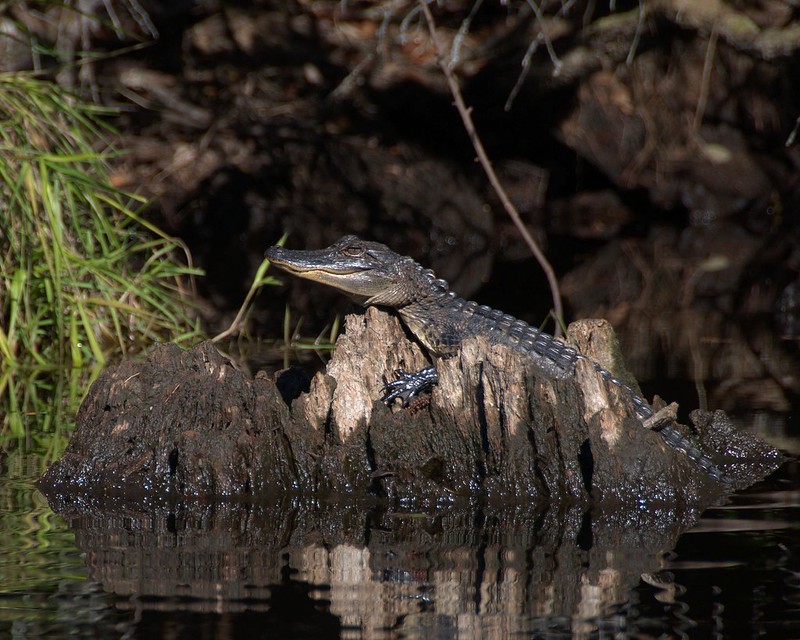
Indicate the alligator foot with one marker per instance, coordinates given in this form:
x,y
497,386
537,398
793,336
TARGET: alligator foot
x,y
409,385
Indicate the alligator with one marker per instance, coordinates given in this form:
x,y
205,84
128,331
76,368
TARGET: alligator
x,y
372,274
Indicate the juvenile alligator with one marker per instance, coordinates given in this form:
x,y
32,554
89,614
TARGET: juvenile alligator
x,y
373,274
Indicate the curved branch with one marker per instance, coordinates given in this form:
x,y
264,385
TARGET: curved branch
x,y
483,158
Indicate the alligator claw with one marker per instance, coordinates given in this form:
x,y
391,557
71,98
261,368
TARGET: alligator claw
x,y
408,385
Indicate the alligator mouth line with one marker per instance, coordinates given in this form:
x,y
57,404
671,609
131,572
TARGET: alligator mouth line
x,y
311,272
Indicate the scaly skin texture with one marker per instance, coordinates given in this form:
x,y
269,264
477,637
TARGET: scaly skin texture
x,y
373,274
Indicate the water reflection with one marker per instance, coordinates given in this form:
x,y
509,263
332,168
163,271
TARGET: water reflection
x,y
326,570
469,571
43,579
315,570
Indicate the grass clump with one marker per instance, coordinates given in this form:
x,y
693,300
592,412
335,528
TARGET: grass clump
x,y
83,279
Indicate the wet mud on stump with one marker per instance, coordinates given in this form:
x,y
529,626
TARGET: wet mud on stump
x,y
187,423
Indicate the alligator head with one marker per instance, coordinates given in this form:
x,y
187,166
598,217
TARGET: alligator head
x,y
369,272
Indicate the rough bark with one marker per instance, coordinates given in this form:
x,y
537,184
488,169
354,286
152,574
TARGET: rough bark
x,y
187,423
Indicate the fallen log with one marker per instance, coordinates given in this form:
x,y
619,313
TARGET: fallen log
x,y
188,423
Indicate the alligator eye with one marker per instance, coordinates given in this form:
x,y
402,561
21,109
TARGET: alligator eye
x,y
353,251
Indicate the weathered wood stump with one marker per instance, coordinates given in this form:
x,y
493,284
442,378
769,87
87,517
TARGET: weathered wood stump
x,y
187,423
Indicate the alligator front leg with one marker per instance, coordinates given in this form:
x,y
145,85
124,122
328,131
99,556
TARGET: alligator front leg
x,y
409,385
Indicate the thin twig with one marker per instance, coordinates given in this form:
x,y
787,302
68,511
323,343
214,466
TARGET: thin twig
x,y
466,117
793,135
238,321
708,65
636,36
455,49
548,43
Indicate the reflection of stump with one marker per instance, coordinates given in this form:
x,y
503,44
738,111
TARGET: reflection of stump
x,y
369,567
188,423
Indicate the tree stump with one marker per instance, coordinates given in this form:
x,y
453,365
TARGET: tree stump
x,y
187,423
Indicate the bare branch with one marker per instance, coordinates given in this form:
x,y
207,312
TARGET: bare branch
x,y
483,158
708,65
793,135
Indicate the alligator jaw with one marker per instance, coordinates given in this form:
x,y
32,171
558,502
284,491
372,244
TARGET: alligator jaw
x,y
308,263
361,275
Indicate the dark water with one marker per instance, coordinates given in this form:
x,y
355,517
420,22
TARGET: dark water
x,y
304,569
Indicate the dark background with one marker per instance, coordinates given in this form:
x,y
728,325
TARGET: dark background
x,y
649,149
